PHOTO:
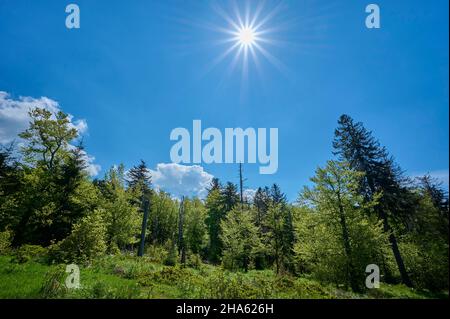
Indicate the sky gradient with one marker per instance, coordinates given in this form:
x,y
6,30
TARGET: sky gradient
x,y
136,70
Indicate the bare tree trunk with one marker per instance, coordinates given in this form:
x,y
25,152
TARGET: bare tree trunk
x,y
181,248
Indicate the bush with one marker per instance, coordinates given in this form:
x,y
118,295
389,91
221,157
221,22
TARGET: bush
x,y
5,241
27,253
156,254
86,242
172,255
54,286
194,261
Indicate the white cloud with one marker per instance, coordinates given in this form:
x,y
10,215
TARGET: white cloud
x,y
181,180
14,116
14,119
249,194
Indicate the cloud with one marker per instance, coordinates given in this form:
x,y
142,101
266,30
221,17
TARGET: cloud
x,y
14,119
14,116
249,194
181,180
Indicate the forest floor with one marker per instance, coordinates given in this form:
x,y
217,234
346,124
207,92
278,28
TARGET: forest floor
x,y
130,277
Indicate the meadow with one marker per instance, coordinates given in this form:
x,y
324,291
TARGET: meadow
x,y
129,277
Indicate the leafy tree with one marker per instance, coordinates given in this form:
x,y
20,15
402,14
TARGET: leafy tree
x,y
47,138
86,242
338,238
162,218
240,239
196,232
121,218
51,175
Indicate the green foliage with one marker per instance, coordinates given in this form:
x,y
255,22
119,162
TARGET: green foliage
x,y
5,241
195,228
336,237
194,261
27,253
156,253
216,213
172,254
240,239
121,217
162,224
54,285
358,212
86,242
138,278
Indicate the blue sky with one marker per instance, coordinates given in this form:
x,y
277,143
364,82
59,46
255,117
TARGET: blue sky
x,y
136,70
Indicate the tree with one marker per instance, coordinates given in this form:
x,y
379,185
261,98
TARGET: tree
x,y
344,227
122,219
53,173
213,205
433,189
195,234
47,137
139,182
354,144
278,230
163,218
261,202
240,239
229,197
85,243
11,184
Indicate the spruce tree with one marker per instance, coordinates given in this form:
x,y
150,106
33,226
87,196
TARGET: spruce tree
x,y
356,145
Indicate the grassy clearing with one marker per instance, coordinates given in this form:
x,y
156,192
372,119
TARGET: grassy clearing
x,y
130,277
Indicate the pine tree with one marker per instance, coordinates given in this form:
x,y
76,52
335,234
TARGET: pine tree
x,y
261,202
354,144
229,197
213,204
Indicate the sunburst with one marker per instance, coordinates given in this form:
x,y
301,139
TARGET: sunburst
x,y
246,32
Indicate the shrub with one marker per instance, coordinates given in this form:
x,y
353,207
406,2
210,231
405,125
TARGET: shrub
x,y
30,252
156,254
54,286
194,261
5,241
86,242
172,255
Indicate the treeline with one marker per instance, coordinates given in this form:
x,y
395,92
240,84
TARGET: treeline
x,y
359,210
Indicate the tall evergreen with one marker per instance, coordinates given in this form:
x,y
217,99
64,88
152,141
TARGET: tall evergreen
x,y
261,202
229,197
356,145
214,217
139,176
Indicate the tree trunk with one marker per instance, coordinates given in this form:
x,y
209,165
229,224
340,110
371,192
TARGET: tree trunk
x,y
347,248
396,251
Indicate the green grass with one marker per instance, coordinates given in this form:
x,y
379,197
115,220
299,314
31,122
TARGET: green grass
x,y
130,277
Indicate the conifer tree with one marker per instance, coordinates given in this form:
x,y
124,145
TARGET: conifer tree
x,y
354,144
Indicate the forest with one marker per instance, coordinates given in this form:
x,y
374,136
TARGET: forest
x,y
359,209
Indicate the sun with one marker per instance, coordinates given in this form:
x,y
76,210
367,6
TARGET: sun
x,y
246,36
